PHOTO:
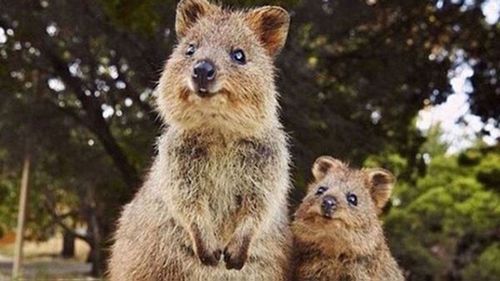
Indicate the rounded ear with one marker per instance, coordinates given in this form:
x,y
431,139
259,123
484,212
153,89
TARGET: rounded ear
x,y
325,164
190,11
380,183
270,23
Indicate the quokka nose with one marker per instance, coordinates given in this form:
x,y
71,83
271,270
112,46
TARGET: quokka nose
x,y
203,74
328,205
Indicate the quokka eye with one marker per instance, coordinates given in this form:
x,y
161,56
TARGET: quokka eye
x,y
321,190
190,50
352,199
238,56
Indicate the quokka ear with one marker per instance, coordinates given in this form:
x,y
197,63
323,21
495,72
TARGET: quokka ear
x,y
380,183
324,165
270,23
189,12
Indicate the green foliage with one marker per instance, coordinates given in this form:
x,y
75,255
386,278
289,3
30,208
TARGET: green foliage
x,y
138,16
486,266
8,203
446,215
390,161
488,172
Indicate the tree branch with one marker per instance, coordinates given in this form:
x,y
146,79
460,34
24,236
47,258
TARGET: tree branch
x,y
58,219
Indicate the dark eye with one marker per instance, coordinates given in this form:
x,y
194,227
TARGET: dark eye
x,y
238,56
352,199
321,190
190,50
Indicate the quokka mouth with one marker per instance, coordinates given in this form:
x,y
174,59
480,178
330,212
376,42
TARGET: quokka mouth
x,y
332,218
202,93
327,216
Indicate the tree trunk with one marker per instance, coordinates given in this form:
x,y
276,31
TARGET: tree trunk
x,y
97,233
68,247
23,197
97,260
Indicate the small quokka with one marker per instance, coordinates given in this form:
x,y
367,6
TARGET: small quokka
x,y
214,205
337,233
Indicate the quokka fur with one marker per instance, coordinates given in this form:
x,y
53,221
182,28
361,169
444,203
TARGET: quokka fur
x,y
337,233
214,205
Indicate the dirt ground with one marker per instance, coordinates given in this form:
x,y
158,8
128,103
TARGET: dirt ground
x,y
41,261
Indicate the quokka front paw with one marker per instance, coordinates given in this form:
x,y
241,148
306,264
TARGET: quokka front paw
x,y
210,258
236,253
207,255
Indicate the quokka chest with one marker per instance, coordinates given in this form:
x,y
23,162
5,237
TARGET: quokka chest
x,y
224,174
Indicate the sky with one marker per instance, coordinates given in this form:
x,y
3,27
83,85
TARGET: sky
x,y
461,135
458,135
491,11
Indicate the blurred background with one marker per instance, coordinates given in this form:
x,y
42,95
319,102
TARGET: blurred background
x,y
408,85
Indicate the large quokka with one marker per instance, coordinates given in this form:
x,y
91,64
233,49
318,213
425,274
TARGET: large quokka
x,y
214,206
337,233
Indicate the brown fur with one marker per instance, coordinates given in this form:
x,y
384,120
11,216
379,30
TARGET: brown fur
x,y
349,244
214,206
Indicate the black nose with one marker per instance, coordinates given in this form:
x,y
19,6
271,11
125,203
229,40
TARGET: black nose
x,y
203,74
328,205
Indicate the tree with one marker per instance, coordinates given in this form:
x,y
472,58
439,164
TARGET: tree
x,y
448,222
